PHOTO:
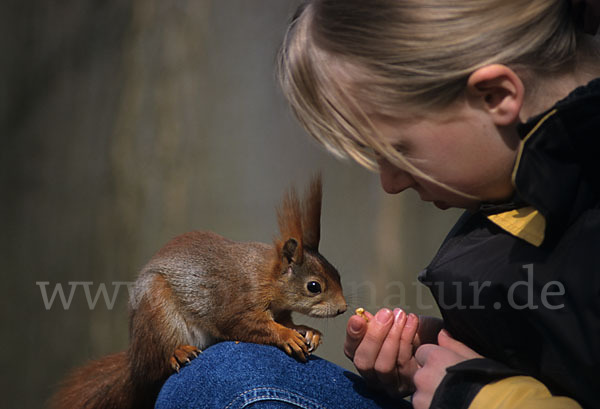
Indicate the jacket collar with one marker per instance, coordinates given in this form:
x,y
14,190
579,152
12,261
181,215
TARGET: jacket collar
x,y
556,175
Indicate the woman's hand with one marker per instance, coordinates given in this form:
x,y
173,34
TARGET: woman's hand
x,y
382,349
433,361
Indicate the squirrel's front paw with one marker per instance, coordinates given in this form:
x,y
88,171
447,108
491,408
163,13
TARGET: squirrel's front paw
x,y
312,336
182,355
294,344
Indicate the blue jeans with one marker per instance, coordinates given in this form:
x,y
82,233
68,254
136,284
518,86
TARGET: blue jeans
x,y
234,376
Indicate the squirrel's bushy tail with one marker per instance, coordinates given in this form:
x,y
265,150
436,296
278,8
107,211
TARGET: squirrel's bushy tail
x,y
101,384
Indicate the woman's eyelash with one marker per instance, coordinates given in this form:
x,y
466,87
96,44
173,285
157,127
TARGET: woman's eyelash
x,y
400,147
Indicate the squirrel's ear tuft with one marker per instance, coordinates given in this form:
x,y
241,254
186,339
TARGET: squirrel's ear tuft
x,y
289,250
289,217
311,218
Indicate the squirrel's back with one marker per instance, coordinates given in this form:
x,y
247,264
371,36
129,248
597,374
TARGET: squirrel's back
x,y
210,276
204,251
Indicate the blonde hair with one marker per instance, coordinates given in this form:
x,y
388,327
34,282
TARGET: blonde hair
x,y
340,57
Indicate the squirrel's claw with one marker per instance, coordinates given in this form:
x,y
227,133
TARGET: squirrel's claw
x,y
313,339
174,364
294,345
183,355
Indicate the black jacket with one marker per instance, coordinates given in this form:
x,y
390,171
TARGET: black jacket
x,y
531,309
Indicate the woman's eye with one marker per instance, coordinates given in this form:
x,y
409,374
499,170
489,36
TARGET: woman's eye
x,y
400,148
314,287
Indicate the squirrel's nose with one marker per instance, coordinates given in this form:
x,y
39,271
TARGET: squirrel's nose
x,y
342,309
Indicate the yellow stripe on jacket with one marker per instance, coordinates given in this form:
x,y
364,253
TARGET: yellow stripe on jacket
x,y
520,392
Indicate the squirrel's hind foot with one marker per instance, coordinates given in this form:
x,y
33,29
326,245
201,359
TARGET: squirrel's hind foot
x,y
182,355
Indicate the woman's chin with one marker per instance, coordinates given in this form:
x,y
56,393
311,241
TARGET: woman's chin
x,y
441,205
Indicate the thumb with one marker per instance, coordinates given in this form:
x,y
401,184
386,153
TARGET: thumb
x,y
445,340
355,331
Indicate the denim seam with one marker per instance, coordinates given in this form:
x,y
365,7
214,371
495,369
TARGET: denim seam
x,y
269,393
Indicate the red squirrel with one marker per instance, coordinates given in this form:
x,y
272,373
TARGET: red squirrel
x,y
201,288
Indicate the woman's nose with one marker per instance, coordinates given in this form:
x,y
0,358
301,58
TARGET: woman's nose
x,y
394,180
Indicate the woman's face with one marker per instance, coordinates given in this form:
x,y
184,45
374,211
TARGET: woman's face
x,y
462,149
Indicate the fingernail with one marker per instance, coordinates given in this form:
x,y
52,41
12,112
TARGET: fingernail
x,y
412,319
445,333
398,314
383,316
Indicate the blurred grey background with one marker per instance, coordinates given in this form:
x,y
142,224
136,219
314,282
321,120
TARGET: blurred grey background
x,y
127,122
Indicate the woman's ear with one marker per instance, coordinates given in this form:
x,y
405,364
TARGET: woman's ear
x,y
499,90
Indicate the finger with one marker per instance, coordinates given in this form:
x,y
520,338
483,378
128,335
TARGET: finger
x,y
419,400
423,352
385,364
407,338
355,331
367,351
434,361
446,341
425,386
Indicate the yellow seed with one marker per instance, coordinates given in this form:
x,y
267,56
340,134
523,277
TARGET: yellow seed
x,y
361,311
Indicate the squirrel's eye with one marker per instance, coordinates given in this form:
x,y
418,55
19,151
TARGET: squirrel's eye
x,y
314,287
